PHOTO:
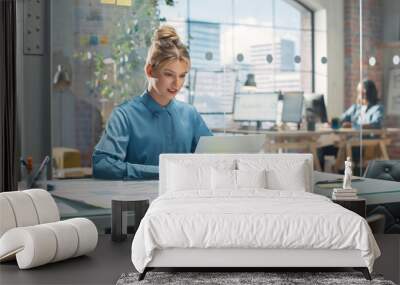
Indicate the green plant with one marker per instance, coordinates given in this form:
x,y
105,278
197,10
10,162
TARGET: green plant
x,y
117,73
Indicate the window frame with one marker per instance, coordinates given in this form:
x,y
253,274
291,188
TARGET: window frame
x,y
188,21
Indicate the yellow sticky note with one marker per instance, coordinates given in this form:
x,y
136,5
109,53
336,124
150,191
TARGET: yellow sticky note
x,y
107,1
124,2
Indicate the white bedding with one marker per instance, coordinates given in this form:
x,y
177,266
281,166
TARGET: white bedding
x,y
251,218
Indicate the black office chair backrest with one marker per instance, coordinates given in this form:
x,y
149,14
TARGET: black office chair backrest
x,y
383,169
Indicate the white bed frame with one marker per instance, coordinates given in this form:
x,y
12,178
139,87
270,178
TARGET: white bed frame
x,y
250,258
234,257
256,258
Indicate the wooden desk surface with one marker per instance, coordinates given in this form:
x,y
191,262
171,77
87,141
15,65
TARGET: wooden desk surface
x,y
287,139
303,133
386,131
278,133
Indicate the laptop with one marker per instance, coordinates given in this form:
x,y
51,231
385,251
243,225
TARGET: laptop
x,y
231,144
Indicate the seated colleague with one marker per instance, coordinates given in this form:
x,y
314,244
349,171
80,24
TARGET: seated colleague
x,y
139,130
367,111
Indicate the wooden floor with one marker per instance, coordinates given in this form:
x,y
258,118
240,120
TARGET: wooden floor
x,y
110,260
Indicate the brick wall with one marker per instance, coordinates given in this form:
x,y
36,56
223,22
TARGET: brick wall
x,y
372,38
372,46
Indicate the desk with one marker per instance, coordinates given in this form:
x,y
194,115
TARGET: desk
x,y
295,139
286,139
78,196
99,193
374,191
349,138
92,198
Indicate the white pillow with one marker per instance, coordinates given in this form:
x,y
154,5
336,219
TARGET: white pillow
x,y
189,176
282,174
251,178
230,180
296,181
223,179
184,178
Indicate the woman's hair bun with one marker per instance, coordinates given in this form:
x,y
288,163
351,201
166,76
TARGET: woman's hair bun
x,y
166,33
166,46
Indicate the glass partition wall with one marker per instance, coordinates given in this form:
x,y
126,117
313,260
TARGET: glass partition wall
x,y
239,50
379,71
366,105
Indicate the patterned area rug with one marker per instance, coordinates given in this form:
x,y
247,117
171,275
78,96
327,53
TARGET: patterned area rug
x,y
225,278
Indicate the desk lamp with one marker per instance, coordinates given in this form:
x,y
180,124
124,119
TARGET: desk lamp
x,y
250,85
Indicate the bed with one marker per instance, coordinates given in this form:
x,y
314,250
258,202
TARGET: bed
x,y
247,210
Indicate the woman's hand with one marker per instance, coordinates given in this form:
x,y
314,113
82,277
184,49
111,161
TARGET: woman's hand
x,y
346,125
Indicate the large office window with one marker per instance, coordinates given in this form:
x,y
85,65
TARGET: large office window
x,y
230,40
98,51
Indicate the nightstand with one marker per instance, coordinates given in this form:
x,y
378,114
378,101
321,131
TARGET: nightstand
x,y
358,206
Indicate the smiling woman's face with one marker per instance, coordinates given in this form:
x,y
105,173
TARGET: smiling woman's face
x,y
167,80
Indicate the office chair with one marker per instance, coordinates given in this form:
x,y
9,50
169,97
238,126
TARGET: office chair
x,y
385,170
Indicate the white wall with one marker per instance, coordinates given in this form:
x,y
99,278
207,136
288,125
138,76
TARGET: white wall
x,y
329,42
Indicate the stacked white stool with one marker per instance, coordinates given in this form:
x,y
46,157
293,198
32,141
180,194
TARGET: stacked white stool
x,y
31,230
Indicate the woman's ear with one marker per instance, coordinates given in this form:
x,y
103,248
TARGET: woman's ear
x,y
148,69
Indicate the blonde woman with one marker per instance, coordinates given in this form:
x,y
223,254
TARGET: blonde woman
x,y
139,130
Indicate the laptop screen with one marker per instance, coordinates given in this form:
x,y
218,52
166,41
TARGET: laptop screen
x,y
231,144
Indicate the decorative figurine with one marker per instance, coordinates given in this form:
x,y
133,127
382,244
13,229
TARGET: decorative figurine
x,y
347,174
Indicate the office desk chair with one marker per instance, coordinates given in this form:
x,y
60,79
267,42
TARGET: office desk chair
x,y
385,170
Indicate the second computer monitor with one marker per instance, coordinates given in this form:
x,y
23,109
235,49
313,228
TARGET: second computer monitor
x,y
259,107
315,107
292,110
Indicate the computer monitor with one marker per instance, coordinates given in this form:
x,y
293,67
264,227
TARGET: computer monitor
x,y
292,111
259,107
214,91
315,107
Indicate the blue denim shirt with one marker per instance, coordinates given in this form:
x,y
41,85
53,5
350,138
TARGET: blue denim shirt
x,y
373,116
138,131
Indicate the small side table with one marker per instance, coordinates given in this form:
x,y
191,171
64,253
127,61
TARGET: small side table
x,y
358,206
120,206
